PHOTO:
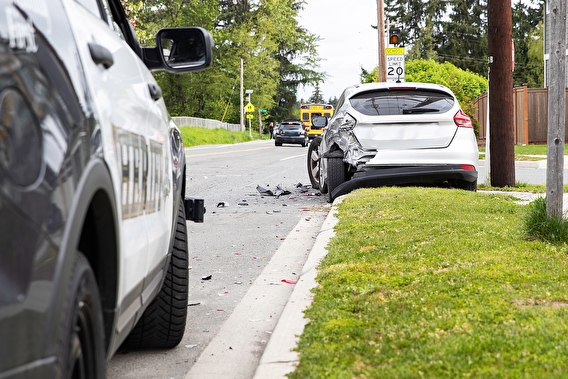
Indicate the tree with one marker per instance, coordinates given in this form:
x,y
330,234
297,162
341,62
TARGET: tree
x,y
463,40
279,55
317,96
456,31
527,25
534,74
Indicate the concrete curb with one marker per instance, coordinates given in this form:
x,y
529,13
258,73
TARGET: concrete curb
x,y
279,358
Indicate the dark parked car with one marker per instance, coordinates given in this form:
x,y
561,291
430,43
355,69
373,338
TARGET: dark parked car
x,y
393,134
93,207
292,132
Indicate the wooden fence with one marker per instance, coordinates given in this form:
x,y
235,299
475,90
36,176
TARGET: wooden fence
x,y
530,112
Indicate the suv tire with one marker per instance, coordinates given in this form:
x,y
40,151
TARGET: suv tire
x,y
314,162
468,186
163,323
336,175
82,353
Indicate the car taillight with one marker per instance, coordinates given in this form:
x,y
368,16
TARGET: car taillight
x,y
462,120
468,167
348,123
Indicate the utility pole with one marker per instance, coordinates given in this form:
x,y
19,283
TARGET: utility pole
x,y
556,108
502,138
382,68
242,111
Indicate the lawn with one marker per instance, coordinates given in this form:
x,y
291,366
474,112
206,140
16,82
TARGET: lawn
x,y
194,136
528,150
436,283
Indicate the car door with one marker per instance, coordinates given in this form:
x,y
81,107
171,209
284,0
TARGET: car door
x,y
134,125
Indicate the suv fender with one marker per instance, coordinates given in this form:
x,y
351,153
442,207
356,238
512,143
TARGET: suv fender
x,y
93,212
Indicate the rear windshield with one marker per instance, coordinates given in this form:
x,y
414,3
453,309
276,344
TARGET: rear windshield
x,y
387,102
291,127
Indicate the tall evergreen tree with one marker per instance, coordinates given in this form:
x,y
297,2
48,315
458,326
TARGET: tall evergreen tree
x,y
463,40
526,19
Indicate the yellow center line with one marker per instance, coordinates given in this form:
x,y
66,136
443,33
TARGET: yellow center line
x,y
227,152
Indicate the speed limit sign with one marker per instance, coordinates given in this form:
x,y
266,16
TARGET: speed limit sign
x,y
395,64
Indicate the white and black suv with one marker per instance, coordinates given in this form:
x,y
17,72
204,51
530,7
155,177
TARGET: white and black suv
x,y
93,210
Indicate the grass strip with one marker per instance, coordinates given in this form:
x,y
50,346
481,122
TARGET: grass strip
x,y
436,283
195,136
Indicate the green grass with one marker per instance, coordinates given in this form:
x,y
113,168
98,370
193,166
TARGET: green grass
x,y
436,283
538,225
540,149
193,136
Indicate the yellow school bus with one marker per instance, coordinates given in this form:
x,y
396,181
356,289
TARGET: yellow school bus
x,y
309,110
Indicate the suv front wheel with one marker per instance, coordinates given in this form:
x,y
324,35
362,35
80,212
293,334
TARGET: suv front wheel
x,y
163,323
314,162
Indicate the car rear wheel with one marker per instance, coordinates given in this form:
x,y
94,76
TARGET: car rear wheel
x,y
163,323
314,162
468,186
336,174
82,354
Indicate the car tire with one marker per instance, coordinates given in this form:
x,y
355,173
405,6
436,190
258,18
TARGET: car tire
x,y
82,353
314,162
336,175
163,323
468,186
277,143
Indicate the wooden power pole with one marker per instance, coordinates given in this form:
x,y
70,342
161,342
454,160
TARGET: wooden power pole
x,y
502,138
382,68
556,107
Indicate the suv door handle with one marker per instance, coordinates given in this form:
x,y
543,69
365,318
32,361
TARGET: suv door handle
x,y
101,55
155,91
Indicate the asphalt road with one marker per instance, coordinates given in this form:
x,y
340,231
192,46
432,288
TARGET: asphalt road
x,y
234,280
243,256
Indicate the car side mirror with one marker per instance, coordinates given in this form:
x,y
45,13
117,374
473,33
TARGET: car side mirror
x,y
180,50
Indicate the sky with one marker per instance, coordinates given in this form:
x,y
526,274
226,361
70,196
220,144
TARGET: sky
x,y
347,43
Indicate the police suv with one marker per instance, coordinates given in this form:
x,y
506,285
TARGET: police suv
x,y
93,210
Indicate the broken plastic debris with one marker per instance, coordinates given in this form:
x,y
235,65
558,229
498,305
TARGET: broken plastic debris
x,y
288,281
222,204
278,192
190,346
192,304
242,203
206,277
263,191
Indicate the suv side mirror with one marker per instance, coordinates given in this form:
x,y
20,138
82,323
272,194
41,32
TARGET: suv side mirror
x,y
180,50
319,122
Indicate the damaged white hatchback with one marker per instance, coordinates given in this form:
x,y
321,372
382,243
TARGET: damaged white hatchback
x,y
386,134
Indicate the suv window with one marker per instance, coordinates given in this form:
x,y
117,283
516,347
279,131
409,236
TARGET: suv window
x,y
386,102
291,127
